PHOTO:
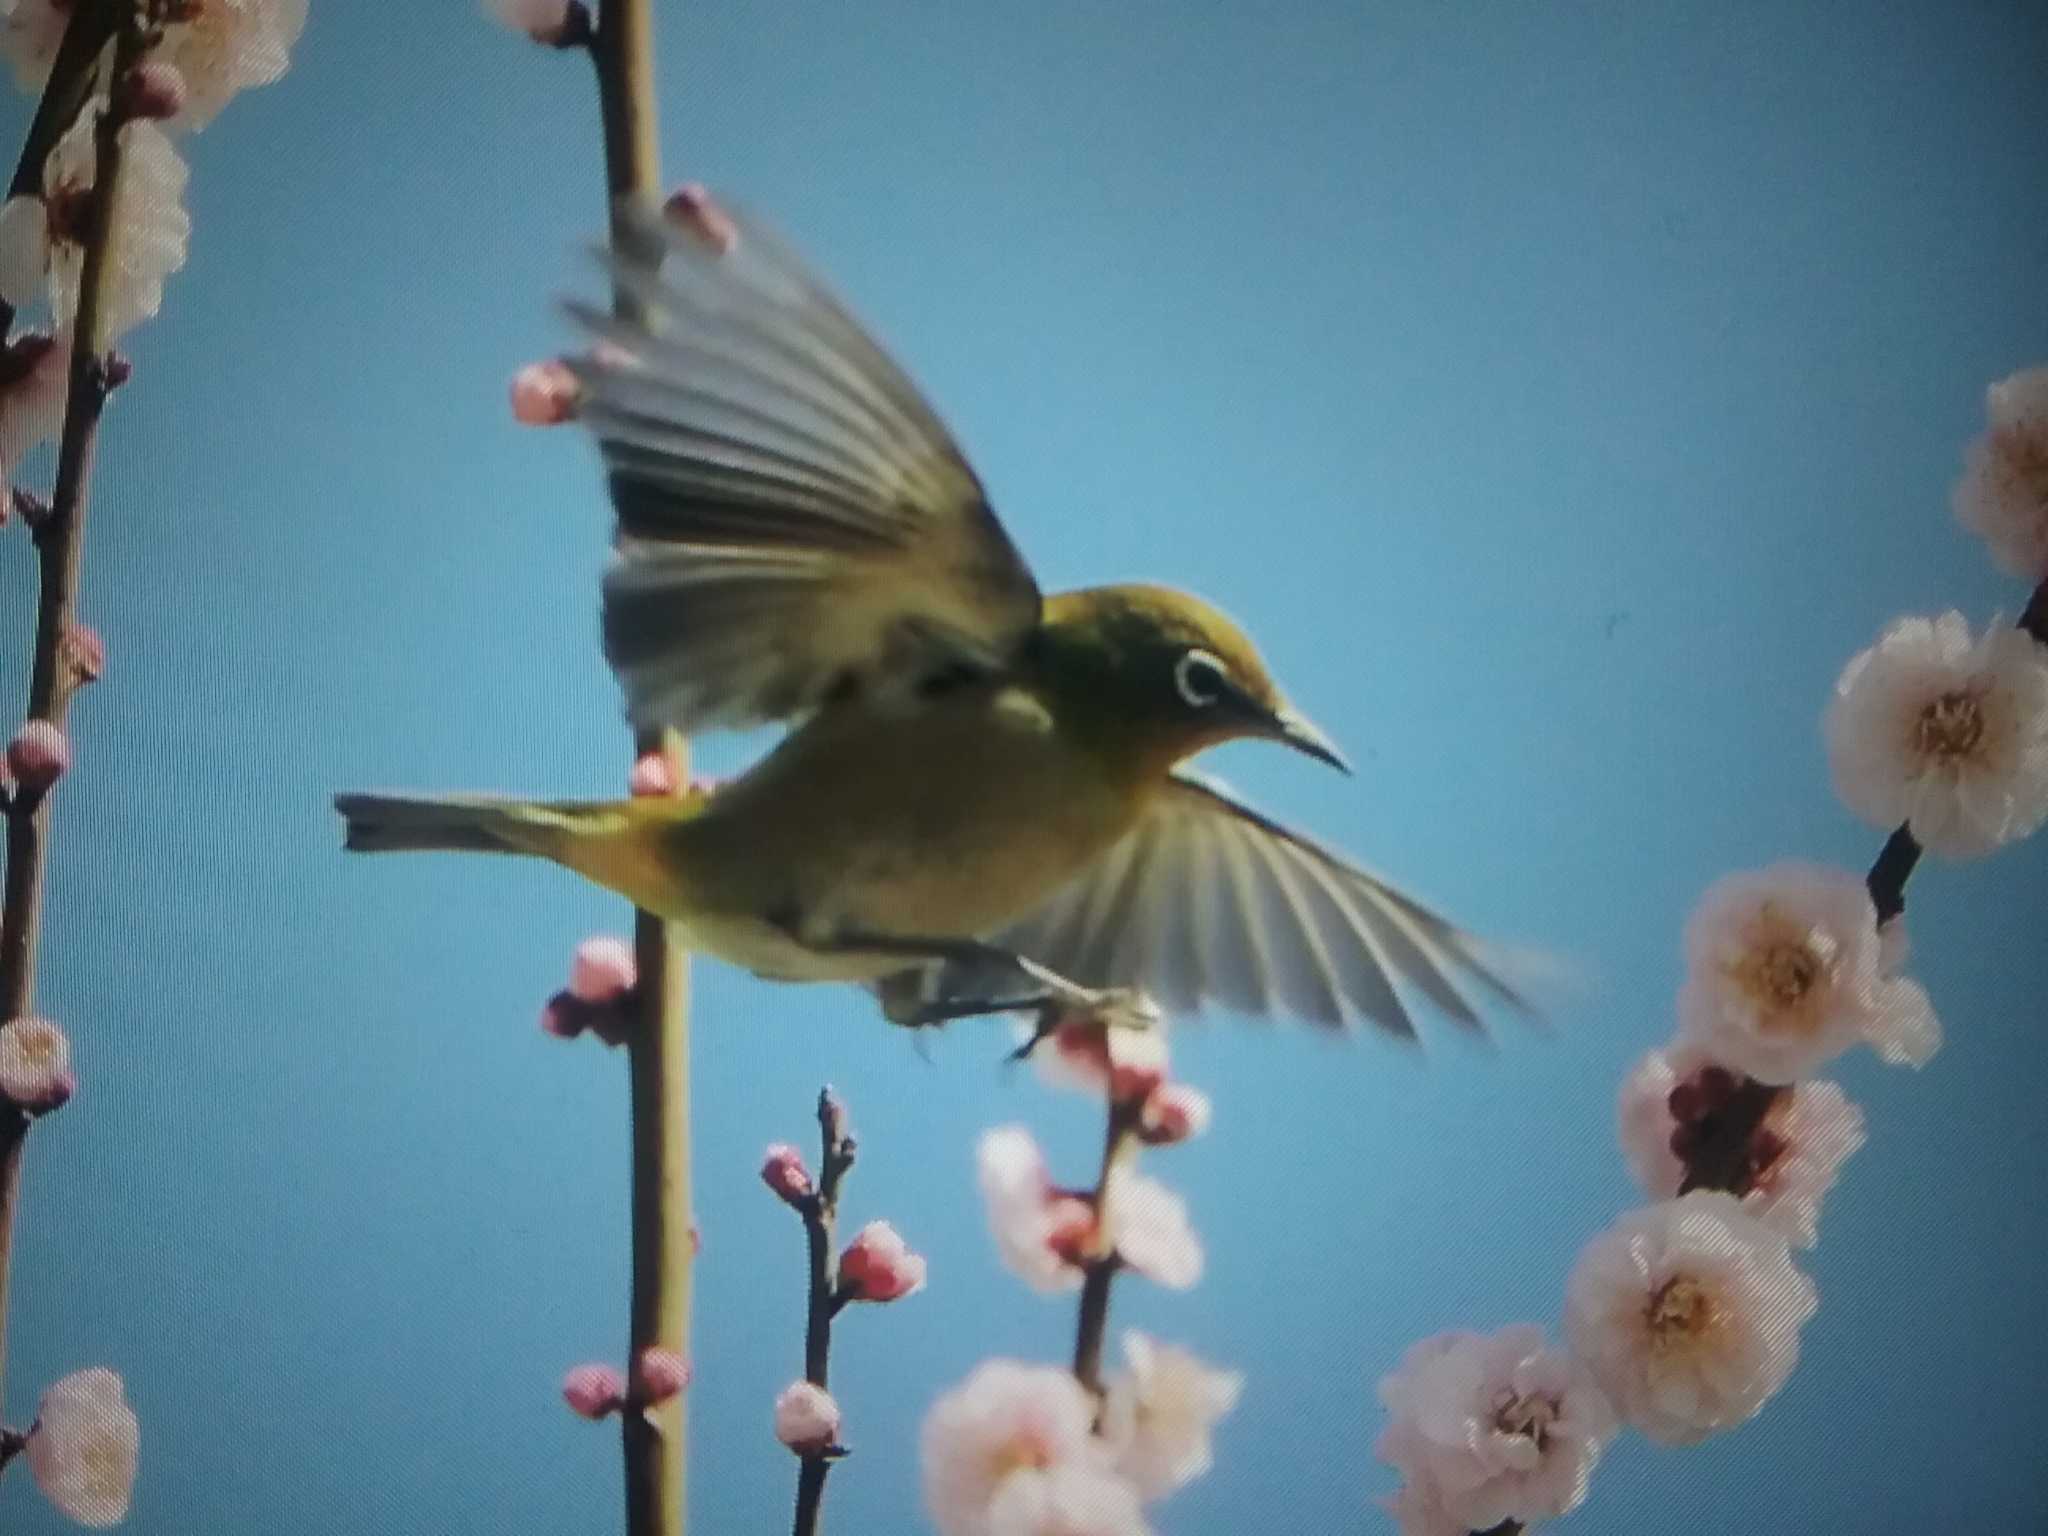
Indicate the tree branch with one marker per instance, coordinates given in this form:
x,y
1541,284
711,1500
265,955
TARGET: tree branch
x,y
820,1212
1119,1147
60,546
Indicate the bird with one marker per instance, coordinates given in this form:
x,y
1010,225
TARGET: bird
x,y
983,800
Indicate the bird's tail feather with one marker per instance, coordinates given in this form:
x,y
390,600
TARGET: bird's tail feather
x,y
439,823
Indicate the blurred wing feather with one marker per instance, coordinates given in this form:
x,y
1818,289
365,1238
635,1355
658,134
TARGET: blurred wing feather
x,y
1208,901
794,522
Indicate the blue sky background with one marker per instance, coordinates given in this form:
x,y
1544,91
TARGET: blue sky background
x,y
1562,392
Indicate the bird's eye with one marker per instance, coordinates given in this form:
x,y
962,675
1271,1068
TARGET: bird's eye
x,y
1200,678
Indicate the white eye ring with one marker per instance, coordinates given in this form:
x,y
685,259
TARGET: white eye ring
x,y
1199,677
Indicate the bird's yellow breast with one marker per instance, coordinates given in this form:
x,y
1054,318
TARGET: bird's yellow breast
x,y
945,819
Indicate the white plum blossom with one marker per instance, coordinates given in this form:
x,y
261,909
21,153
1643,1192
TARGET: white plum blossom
x,y
545,21
1687,1313
35,378
1008,1420
229,46
1487,1428
24,249
1793,1158
1160,1411
2003,494
1784,971
30,33
1944,733
1069,1500
1151,1230
83,1446
1038,1229
35,1065
150,233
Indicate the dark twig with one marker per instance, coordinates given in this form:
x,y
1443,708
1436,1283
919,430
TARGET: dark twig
x,y
1100,1262
820,1212
60,546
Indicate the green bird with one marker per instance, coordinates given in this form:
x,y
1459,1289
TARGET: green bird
x,y
981,802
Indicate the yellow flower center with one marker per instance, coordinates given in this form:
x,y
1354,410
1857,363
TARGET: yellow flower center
x,y
1680,1311
1528,1418
37,1047
2023,455
1950,727
1024,1451
1782,967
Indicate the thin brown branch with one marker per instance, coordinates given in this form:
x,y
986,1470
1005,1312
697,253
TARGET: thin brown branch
x,y
655,1444
1100,1262
60,548
820,1212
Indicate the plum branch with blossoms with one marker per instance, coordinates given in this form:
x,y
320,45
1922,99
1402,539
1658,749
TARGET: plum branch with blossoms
x,y
92,226
1683,1319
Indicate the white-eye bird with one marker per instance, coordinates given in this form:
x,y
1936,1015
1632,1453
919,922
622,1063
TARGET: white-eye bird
x,y
981,802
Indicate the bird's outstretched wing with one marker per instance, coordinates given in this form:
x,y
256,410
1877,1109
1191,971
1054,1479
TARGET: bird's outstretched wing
x,y
1207,900
795,524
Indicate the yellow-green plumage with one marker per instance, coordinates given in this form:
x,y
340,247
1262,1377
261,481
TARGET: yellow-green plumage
x,y
800,539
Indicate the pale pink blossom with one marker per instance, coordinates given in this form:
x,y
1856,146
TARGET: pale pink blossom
x,y
593,1391
1072,1499
1688,1313
228,46
151,228
24,248
1792,1158
664,1373
1784,972
879,1266
545,395
1007,1420
2003,494
807,1419
784,1172
545,21
1944,733
1175,1112
1418,1506
35,383
1149,1225
1494,1427
1161,1412
1117,1050
35,1065
30,33
83,1447
38,756
602,970
1038,1229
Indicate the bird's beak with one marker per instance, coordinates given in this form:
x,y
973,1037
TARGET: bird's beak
x,y
1302,734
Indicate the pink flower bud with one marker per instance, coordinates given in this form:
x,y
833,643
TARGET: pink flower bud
x,y
602,971
35,1066
783,1171
663,1374
806,1419
545,395
693,207
84,652
551,23
592,1391
1174,1112
653,774
154,89
38,756
879,1266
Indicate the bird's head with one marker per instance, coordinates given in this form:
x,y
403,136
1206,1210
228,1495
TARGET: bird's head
x,y
1170,671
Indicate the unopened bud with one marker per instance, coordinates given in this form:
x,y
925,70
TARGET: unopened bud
x,y
783,1171
694,209
602,971
879,1266
592,1391
653,774
154,89
116,369
84,652
807,1419
545,395
38,756
663,1374
1174,1112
